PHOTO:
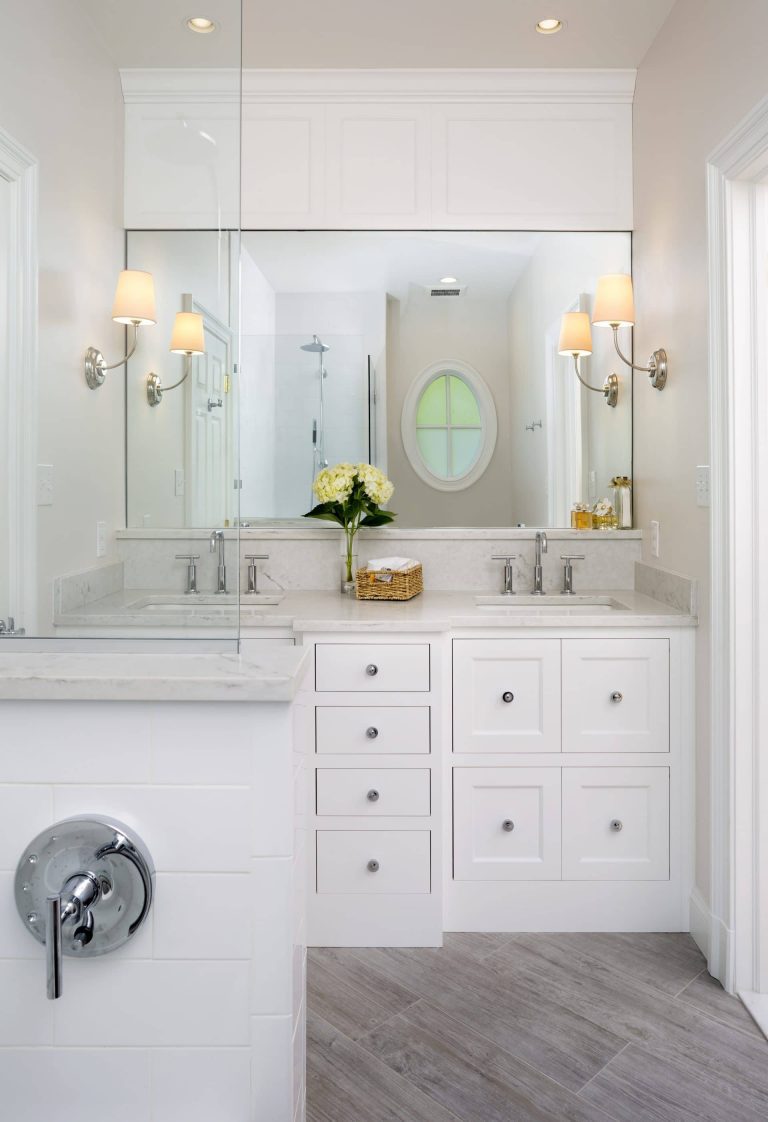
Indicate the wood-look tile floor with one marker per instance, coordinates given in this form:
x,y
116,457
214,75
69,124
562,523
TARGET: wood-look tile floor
x,y
507,1028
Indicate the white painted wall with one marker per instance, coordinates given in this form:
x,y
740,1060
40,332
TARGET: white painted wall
x,y
562,269
199,263
60,98
5,558
704,72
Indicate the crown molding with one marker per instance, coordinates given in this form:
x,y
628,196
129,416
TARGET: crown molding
x,y
223,86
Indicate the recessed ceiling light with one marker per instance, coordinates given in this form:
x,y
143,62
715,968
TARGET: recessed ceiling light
x,y
201,24
447,280
549,26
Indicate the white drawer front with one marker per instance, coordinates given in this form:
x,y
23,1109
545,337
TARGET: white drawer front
x,y
372,729
372,667
506,823
616,823
373,861
506,695
373,791
615,695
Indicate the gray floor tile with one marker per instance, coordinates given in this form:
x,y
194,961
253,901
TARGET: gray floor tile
x,y
342,991
707,995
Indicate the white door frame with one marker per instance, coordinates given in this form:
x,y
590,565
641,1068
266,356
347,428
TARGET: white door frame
x,y
18,168
737,179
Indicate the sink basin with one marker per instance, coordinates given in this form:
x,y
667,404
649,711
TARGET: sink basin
x,y
209,605
552,604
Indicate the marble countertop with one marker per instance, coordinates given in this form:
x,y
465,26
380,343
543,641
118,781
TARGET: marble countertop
x,y
329,611
274,676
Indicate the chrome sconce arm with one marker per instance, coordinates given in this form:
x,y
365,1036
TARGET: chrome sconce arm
x,y
657,363
95,365
609,389
188,340
155,387
134,306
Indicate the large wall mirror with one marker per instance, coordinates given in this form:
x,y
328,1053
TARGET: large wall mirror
x,y
431,354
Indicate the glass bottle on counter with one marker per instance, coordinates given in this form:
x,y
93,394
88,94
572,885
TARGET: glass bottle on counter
x,y
581,517
622,501
604,516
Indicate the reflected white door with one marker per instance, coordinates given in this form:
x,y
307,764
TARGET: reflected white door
x,y
6,607
210,453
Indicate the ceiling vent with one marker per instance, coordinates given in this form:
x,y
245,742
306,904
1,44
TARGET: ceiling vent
x,y
446,290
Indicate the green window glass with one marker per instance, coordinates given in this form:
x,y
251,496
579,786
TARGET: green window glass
x,y
449,428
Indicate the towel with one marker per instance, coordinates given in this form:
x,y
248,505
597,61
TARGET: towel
x,y
391,564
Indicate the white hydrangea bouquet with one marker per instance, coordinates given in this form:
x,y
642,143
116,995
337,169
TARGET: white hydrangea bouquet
x,y
353,496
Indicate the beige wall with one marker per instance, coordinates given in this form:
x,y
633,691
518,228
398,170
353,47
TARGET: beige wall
x,y
704,72
60,97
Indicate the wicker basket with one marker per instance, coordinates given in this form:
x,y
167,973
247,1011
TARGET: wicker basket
x,y
388,585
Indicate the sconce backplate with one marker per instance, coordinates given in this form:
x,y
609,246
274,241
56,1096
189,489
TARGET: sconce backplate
x,y
657,369
611,390
94,368
154,389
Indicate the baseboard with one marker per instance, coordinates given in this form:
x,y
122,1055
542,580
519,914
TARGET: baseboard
x,y
714,939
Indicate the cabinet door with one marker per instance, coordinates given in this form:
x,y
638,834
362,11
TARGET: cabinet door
x,y
506,695
616,823
506,823
615,695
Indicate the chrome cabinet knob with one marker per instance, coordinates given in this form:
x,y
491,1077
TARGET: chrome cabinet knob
x,y
508,825
617,825
371,733
616,697
371,669
373,795
373,865
508,696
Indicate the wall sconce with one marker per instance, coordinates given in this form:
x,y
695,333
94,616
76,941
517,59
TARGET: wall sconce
x,y
135,306
615,307
187,339
576,340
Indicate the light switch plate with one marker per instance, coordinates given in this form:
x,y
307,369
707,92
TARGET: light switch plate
x,y
45,484
702,485
101,539
654,539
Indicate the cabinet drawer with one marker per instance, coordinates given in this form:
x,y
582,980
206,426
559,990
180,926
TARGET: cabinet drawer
x,y
400,729
506,823
372,667
373,791
615,695
399,860
506,695
616,823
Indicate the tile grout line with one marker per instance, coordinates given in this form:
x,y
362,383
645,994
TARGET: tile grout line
x,y
603,1068
687,984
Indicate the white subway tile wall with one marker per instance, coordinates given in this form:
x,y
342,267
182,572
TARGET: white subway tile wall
x,y
196,1017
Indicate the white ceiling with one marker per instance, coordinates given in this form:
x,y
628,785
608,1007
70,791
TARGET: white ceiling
x,y
368,33
402,263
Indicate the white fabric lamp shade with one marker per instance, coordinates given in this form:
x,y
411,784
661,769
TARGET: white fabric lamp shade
x,y
575,335
134,298
188,337
614,301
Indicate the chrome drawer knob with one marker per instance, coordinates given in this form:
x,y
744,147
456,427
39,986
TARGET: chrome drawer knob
x,y
373,865
371,733
373,795
617,825
616,697
508,825
507,696
371,669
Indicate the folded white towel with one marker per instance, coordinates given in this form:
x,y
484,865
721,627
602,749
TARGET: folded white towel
x,y
393,564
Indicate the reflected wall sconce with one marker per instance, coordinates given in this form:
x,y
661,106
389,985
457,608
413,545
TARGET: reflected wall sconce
x,y
134,306
576,340
187,339
615,308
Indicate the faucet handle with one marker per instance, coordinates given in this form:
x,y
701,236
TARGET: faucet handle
x,y
187,557
256,556
503,557
569,558
572,557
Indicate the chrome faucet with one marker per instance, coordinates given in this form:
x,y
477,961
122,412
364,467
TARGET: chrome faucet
x,y
509,588
8,628
538,572
217,540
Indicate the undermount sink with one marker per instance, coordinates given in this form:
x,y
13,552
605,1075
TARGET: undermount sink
x,y
552,604
204,604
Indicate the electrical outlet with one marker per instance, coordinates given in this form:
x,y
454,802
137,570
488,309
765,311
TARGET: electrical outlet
x,y
178,482
45,484
702,485
654,539
101,539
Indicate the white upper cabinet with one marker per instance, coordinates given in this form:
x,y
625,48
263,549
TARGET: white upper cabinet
x,y
459,149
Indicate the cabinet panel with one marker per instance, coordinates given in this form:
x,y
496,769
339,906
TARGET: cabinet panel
x,y
401,729
373,861
282,170
506,823
615,695
616,823
506,695
373,791
372,667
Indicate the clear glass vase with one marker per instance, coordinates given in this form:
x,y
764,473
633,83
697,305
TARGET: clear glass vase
x,y
348,570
